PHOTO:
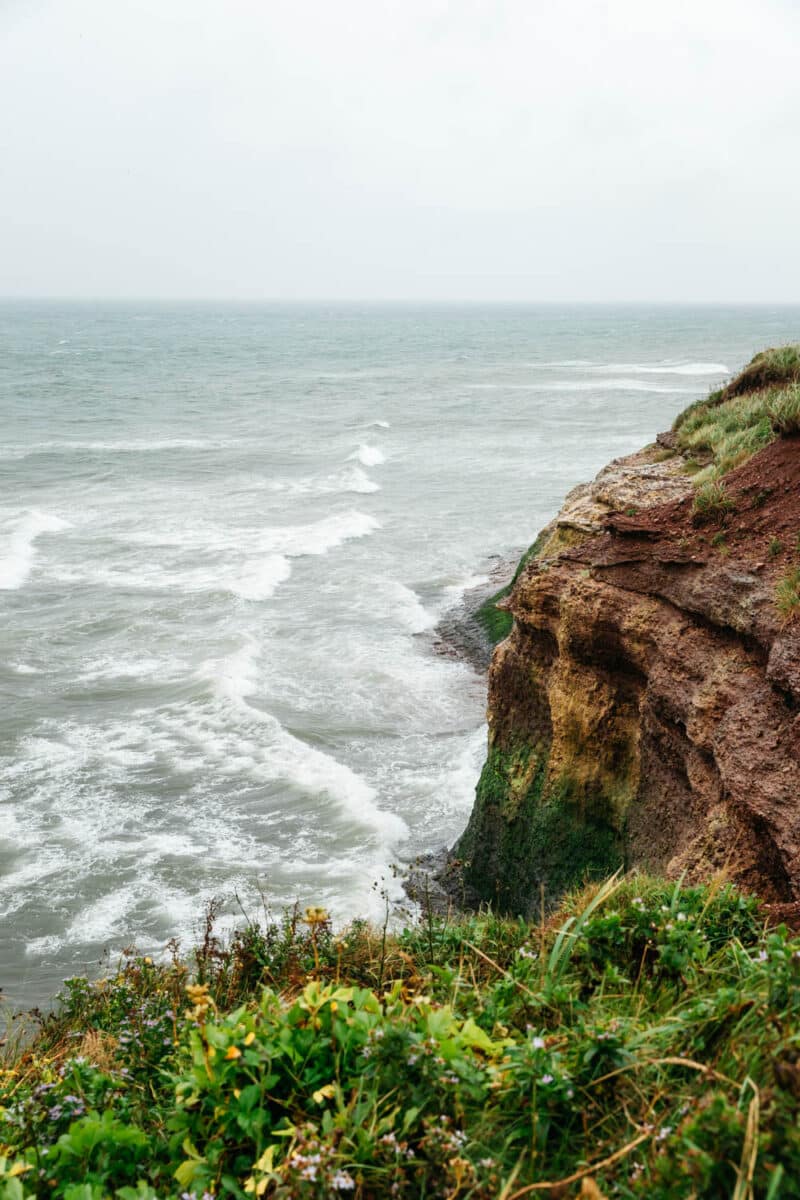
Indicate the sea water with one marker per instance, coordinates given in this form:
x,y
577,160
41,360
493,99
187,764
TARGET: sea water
x,y
226,536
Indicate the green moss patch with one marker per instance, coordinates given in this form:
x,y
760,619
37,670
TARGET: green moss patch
x,y
521,842
496,622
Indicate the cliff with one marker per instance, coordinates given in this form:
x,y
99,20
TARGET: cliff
x,y
643,709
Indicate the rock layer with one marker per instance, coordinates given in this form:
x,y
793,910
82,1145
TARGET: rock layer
x,y
644,709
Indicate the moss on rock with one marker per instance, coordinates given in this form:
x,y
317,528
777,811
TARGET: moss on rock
x,y
496,622
526,837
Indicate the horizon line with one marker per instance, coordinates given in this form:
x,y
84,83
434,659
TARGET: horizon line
x,y
56,298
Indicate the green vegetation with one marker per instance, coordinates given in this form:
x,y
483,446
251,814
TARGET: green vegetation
x,y
784,411
496,622
774,548
521,844
642,1043
771,368
711,502
787,594
761,403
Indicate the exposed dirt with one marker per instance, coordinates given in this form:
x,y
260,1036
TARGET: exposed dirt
x,y
762,528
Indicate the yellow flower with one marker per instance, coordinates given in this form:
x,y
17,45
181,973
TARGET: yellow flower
x,y
197,993
315,916
233,1052
251,1037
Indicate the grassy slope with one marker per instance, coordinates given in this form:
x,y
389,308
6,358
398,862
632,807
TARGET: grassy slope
x,y
645,1039
731,425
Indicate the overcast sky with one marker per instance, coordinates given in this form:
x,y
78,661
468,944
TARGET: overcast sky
x,y
477,149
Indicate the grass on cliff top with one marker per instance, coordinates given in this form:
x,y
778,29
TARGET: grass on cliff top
x,y
758,405
644,1042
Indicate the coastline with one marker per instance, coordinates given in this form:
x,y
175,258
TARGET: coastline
x,y
434,880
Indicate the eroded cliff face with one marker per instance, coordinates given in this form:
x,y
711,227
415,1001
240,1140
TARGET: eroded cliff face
x,y
644,709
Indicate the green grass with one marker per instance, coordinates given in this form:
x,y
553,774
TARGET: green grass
x,y
496,622
646,1038
721,432
711,502
784,411
787,594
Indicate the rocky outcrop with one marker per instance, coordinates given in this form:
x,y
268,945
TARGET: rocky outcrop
x,y
644,708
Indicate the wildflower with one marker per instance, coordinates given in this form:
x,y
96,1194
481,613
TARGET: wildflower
x,y
343,1181
198,993
547,1079
762,956
537,1043
681,916
315,916
233,1052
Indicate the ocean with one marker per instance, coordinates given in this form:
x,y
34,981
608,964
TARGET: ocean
x,y
227,534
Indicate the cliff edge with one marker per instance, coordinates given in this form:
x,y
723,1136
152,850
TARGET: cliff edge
x,y
643,709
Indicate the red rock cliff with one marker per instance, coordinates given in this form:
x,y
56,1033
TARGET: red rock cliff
x,y
645,708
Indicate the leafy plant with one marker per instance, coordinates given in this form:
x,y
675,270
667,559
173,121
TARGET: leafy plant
x,y
644,1037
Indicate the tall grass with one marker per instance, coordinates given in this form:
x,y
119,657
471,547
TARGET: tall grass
x,y
732,424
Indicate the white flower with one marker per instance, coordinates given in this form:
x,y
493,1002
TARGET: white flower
x,y
547,1079
343,1181
537,1043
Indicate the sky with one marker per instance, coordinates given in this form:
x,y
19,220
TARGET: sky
x,y
478,150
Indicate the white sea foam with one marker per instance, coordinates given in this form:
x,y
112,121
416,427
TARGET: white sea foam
x,y
695,369
250,563
20,535
582,385
663,368
123,446
369,456
405,605
295,541
290,759
259,580
351,479
454,592
98,922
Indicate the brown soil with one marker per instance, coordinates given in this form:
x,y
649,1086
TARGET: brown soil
x,y
762,528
